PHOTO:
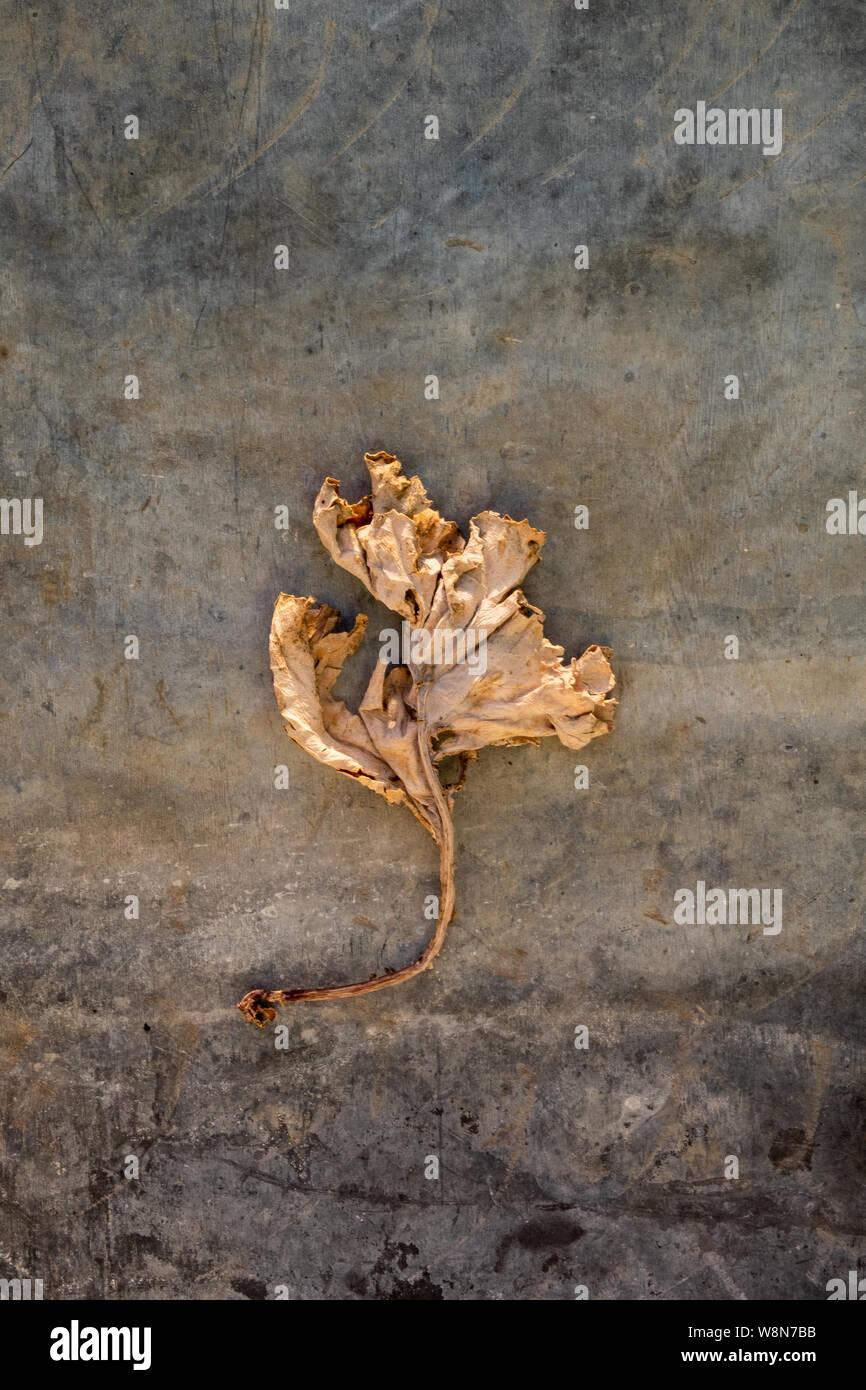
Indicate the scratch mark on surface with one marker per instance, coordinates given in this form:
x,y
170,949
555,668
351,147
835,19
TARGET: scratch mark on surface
x,y
559,171
198,320
219,59
95,714
296,112
799,140
160,690
748,68
684,53
188,1033
315,219
58,136
713,1259
430,14
16,159
734,80
515,95
380,221
205,187
664,1292
437,289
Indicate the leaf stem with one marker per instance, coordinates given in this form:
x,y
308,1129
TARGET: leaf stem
x,y
257,1005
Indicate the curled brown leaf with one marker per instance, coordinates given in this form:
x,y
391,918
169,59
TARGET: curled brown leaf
x,y
457,598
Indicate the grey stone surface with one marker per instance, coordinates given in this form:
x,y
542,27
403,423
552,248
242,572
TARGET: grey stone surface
x,y
305,1167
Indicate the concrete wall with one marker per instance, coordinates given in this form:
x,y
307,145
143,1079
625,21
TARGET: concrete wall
x,y
304,1167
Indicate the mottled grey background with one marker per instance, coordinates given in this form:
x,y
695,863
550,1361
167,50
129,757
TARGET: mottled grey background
x,y
409,257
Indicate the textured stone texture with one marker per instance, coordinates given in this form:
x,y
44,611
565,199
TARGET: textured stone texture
x,y
408,257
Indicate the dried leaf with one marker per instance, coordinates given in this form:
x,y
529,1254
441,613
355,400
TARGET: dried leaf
x,y
475,668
